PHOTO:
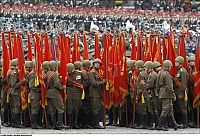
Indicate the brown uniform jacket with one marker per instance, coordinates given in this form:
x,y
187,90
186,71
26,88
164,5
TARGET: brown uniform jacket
x,y
165,85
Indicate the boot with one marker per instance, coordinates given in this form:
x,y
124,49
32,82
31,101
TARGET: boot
x,y
156,121
86,121
150,127
60,122
53,120
163,122
96,124
4,121
143,122
70,120
173,122
17,121
184,121
34,121
75,126
49,123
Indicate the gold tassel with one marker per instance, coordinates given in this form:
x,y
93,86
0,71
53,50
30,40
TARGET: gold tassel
x,y
83,95
143,99
186,97
107,85
36,81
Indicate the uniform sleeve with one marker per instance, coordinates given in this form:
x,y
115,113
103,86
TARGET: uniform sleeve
x,y
184,80
93,82
14,81
169,84
57,83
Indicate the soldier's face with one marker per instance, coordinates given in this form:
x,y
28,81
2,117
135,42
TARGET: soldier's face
x,y
177,64
96,65
191,63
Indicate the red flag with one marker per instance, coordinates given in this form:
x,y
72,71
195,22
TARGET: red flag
x,y
85,51
158,56
96,47
154,47
106,74
29,48
139,57
15,48
6,57
123,85
196,95
76,49
21,60
182,51
47,53
148,56
67,47
10,45
164,48
133,50
39,60
171,56
117,98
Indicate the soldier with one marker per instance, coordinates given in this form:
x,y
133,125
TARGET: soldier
x,y
152,95
96,83
180,87
86,107
15,95
166,95
191,112
74,92
141,95
126,108
34,96
54,99
157,68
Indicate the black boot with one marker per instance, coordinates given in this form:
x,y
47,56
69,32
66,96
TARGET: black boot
x,y
150,127
96,119
184,121
49,123
86,122
60,122
18,121
75,125
53,120
162,123
157,126
70,120
4,117
173,122
143,122
34,122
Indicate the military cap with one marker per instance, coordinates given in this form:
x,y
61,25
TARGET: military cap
x,y
28,64
14,62
70,67
130,63
156,64
53,64
45,64
97,60
191,58
179,59
77,64
86,63
148,64
139,63
167,64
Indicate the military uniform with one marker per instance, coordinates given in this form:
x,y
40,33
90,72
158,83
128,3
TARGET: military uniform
x,y
181,91
166,95
95,93
152,99
54,99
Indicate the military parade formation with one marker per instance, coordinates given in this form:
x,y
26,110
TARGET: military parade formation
x,y
69,69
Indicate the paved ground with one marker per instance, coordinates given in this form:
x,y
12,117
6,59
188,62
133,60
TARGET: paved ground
x,y
109,130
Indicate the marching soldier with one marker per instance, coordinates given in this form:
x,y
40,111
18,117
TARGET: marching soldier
x,y
152,94
157,68
191,112
15,95
180,87
35,97
96,83
54,99
141,95
86,107
74,92
166,95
